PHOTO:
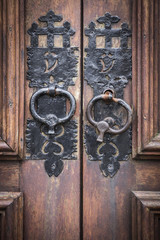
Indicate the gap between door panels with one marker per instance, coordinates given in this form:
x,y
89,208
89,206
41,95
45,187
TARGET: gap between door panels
x,y
81,123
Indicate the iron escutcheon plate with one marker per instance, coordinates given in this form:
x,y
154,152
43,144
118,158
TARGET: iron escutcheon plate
x,y
51,67
108,68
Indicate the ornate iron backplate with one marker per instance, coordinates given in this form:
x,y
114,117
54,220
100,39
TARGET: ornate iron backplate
x,y
50,66
108,67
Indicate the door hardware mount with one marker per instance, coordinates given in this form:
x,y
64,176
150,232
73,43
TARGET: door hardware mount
x,y
108,67
51,135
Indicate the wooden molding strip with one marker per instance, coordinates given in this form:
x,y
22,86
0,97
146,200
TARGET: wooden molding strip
x,y
145,82
12,78
145,215
11,215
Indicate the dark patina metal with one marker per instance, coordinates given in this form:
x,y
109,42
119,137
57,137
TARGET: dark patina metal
x,y
106,124
108,68
54,147
51,64
51,120
51,70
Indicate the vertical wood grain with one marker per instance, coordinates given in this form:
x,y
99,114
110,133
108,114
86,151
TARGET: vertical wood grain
x,y
9,176
12,79
52,205
106,201
145,215
145,81
11,212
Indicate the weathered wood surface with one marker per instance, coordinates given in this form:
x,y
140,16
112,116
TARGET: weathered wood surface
x,y
145,215
107,202
12,79
9,176
11,215
145,83
52,205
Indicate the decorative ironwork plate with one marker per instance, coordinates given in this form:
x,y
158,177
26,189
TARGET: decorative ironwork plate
x,y
51,67
108,68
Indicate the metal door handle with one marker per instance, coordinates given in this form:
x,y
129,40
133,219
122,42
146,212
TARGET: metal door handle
x,y
52,120
108,122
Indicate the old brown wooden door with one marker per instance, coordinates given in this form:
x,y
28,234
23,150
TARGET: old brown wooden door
x,y
81,203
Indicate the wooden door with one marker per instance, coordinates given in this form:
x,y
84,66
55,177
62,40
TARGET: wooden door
x,y
82,201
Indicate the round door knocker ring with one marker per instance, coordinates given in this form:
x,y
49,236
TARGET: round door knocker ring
x,y
105,125
52,120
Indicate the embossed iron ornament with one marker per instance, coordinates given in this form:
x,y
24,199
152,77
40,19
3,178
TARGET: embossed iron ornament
x,y
51,135
108,68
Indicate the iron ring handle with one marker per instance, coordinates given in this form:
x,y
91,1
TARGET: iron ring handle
x,y
104,125
51,120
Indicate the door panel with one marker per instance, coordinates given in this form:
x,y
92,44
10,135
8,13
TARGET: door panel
x,y
52,204
11,215
81,203
145,84
106,200
12,80
145,206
